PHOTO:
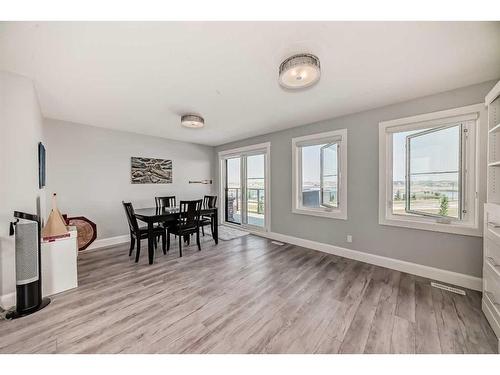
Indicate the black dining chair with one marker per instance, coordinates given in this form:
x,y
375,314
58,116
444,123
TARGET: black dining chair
x,y
168,201
209,201
139,233
187,223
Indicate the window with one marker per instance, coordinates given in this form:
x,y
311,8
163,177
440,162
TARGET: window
x,y
320,174
428,175
433,176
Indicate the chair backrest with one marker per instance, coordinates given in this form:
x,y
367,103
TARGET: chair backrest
x,y
189,213
132,220
209,201
165,201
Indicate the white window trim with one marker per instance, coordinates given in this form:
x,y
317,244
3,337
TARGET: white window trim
x,y
476,168
336,213
246,150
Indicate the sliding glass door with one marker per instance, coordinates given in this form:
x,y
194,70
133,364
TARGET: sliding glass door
x,y
244,188
233,189
255,197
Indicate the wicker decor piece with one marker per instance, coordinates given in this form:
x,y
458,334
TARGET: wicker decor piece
x,y
55,227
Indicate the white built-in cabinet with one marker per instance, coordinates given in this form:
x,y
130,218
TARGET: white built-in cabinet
x,y
59,267
491,244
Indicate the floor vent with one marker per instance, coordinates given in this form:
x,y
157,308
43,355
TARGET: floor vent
x,y
277,243
448,288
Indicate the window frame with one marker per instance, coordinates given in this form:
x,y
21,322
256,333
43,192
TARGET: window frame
x,y
340,138
462,169
322,174
472,161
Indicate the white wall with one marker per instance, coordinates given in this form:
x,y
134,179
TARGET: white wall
x,y
89,169
20,132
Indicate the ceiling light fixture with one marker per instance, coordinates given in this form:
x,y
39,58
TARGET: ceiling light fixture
x,y
192,121
299,71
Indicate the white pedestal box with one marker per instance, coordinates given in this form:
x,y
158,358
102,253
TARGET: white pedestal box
x,y
59,269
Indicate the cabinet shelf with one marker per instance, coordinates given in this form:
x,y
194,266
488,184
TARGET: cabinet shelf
x,y
493,229
493,266
495,129
492,302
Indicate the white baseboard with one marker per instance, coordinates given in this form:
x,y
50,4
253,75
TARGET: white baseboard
x,y
110,241
8,300
438,274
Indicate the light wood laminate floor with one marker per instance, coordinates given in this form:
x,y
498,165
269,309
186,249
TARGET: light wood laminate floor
x,y
248,295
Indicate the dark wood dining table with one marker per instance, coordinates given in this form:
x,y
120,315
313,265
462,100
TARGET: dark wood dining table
x,y
164,214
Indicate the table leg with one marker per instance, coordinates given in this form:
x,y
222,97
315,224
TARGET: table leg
x,y
215,223
150,242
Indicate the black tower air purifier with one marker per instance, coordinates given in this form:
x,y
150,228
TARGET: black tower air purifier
x,y
28,265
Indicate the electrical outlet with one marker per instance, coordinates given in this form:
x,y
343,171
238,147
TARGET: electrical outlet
x,y
349,238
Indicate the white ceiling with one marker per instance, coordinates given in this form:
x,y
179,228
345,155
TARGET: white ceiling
x,y
142,76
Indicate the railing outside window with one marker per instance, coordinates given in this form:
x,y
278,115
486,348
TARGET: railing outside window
x,y
255,201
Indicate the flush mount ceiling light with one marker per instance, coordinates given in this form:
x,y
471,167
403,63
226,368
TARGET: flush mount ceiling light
x,y
299,71
192,121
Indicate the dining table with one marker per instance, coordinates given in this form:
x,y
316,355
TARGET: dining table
x,y
154,215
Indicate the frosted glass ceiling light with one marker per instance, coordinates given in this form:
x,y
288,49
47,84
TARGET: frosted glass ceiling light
x,y
299,71
192,121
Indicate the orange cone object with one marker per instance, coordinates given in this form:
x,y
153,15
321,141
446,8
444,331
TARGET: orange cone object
x,y
55,226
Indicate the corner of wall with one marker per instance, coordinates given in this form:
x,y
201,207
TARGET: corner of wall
x,y
21,121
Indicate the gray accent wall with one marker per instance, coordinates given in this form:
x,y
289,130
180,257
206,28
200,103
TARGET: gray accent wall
x,y
452,252
89,169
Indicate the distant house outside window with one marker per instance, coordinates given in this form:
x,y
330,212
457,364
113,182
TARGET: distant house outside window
x,y
320,173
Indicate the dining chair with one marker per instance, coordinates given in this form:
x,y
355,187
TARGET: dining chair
x,y
168,201
187,223
209,201
139,233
